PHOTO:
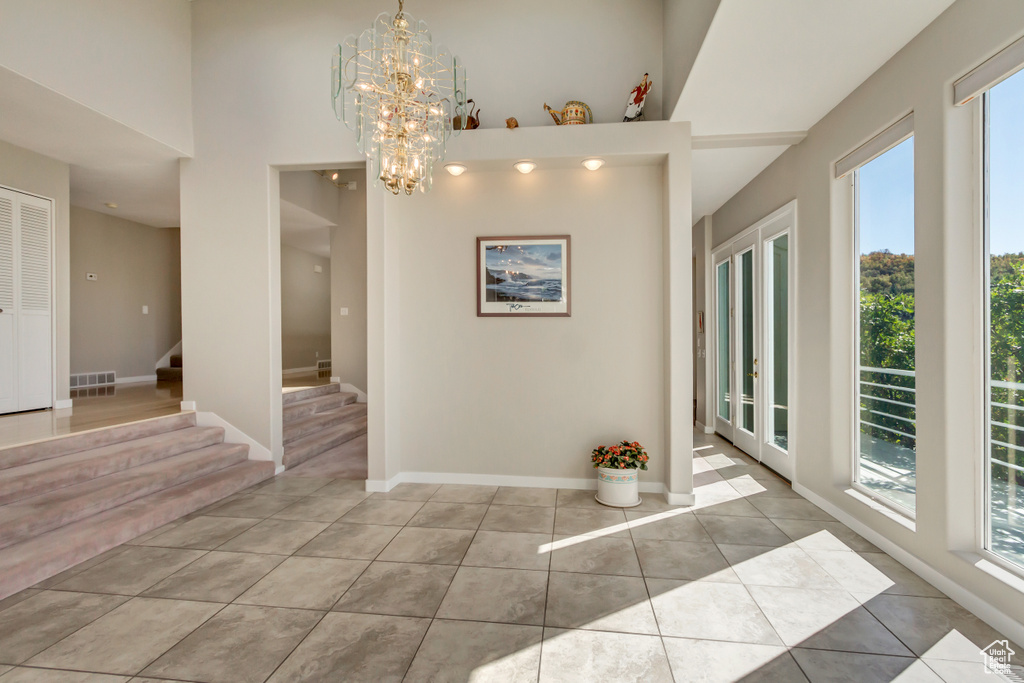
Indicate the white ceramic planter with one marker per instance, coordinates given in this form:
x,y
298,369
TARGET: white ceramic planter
x,y
618,488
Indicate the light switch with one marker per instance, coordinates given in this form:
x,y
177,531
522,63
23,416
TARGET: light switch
x,y
145,310
352,185
318,269
344,311
92,276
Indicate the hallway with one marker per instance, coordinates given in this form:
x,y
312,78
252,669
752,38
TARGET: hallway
x,y
310,578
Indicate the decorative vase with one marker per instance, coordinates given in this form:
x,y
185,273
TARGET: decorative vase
x,y
618,487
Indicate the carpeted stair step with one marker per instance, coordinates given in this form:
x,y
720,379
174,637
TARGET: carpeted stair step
x,y
39,514
14,456
169,374
17,483
310,446
176,360
318,421
29,562
317,404
296,395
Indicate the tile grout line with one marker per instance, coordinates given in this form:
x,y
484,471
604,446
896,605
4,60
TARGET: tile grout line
x,y
650,600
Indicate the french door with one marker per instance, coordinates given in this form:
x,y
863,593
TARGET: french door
x,y
752,325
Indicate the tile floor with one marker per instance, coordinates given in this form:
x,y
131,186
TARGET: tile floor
x,y
311,579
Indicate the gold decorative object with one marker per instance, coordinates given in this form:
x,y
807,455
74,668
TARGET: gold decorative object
x,y
399,93
472,119
575,113
511,122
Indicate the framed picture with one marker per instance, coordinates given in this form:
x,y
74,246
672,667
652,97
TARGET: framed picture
x,y
526,276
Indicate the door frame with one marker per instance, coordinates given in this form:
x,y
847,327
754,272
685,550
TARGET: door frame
x,y
779,222
723,426
53,290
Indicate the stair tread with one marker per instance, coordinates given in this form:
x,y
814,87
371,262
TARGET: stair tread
x,y
14,456
32,516
294,396
45,475
316,443
171,374
317,404
26,563
317,421
176,360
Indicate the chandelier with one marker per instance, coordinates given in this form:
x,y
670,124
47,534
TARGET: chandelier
x,y
399,94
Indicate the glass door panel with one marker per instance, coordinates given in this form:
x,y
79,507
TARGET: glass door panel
x,y
745,329
777,342
723,336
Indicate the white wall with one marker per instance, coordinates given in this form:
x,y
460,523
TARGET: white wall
x,y
686,22
533,396
29,172
136,266
948,303
126,59
348,283
260,95
305,309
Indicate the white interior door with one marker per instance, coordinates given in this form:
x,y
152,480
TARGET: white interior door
x,y
26,299
720,335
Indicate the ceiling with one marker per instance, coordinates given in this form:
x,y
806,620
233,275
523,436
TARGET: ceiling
x,y
751,76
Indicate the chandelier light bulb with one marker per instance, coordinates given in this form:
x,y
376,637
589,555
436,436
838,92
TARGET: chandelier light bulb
x,y
525,167
593,164
455,169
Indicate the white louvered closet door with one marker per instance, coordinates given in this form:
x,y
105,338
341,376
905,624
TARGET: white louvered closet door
x,y
26,253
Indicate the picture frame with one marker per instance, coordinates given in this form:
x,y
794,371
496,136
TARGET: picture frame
x,y
526,276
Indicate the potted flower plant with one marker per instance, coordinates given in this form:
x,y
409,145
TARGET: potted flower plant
x,y
617,481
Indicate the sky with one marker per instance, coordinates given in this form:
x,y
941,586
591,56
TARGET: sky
x,y
543,261
887,183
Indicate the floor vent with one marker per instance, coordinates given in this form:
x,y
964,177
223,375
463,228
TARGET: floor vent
x,y
107,390
323,368
92,379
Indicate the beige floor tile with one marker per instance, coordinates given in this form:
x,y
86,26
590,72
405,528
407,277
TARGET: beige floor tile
x,y
127,639
586,522
12,600
202,533
355,648
386,512
25,675
275,537
80,567
708,610
399,589
764,566
449,515
294,486
904,581
304,583
578,498
583,657
812,534
317,509
825,666
350,541
344,488
712,661
519,518
743,530
674,525
464,493
513,495
428,546
601,603
239,644
761,488
513,596
460,651
410,492
131,572
216,577
509,549
38,622
683,560
798,614
790,508
592,555
253,505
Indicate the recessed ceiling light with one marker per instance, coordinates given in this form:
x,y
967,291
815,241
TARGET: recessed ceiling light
x,y
455,169
525,167
593,164
111,205
334,176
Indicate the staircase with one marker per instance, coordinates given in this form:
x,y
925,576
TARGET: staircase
x,y
68,499
171,374
319,419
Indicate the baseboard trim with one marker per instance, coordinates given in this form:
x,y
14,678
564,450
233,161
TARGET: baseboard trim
x,y
700,425
232,434
685,499
981,608
298,371
709,430
278,470
381,486
62,404
188,405
360,394
134,380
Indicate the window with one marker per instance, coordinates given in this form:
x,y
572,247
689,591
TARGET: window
x,y
885,391
1004,222
777,341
